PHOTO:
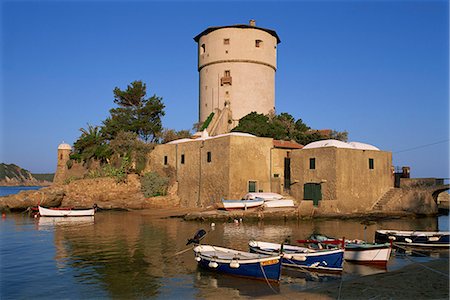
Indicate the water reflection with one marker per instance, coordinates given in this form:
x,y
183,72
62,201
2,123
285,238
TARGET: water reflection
x,y
211,284
133,255
46,223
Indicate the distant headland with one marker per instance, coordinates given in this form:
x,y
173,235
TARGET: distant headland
x,y
13,175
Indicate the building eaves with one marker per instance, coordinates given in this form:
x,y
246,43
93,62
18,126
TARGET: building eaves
x,y
286,144
243,26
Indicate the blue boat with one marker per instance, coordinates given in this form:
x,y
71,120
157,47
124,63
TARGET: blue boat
x,y
414,239
239,263
326,260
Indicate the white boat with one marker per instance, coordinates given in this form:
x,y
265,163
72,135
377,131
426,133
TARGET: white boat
x,y
357,250
242,204
65,212
279,203
368,253
266,196
271,199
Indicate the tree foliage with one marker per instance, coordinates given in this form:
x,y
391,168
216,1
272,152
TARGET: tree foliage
x,y
282,127
135,113
125,133
169,135
91,145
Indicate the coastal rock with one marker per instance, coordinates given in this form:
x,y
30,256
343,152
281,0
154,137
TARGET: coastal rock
x,y
108,194
49,197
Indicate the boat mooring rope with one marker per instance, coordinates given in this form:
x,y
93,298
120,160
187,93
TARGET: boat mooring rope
x,y
267,280
426,267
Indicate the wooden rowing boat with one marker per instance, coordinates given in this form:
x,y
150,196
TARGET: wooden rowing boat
x,y
415,239
239,263
65,212
326,260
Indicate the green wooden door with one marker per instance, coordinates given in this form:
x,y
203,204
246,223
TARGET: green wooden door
x,y
313,191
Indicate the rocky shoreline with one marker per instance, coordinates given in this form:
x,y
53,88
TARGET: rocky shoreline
x,y
108,194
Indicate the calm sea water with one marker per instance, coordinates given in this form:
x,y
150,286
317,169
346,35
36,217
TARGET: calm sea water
x,y
132,255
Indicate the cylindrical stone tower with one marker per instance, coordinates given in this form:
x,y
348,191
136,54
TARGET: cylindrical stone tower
x,y
64,151
237,65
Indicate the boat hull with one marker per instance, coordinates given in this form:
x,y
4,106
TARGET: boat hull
x,y
368,253
46,212
330,260
279,203
241,204
416,239
238,263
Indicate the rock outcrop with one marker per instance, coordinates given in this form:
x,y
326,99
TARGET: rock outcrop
x,y
49,197
84,193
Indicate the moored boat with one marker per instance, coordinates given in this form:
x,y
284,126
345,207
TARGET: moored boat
x,y
326,260
239,263
65,212
271,200
420,239
242,204
357,251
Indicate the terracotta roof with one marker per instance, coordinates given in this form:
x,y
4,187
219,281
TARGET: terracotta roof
x,y
243,26
287,144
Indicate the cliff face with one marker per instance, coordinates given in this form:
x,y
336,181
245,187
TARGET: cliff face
x,y
13,175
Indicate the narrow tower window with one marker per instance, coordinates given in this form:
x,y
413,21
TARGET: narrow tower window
x,y
312,163
202,49
165,160
208,156
226,41
371,165
258,43
182,158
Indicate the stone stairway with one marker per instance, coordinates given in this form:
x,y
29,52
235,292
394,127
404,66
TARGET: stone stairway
x,y
391,195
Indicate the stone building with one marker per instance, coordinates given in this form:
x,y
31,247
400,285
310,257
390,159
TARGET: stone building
x,y
342,177
224,166
237,66
333,175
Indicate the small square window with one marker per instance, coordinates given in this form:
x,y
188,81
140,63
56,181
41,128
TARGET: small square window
x,y
312,163
258,43
226,41
371,164
182,158
208,156
165,160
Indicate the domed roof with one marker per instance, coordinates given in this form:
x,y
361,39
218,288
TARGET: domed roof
x,y
340,144
328,143
64,146
363,146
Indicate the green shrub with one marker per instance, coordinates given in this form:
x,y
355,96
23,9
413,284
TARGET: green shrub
x,y
207,121
153,184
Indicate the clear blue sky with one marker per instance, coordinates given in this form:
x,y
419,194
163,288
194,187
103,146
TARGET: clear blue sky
x,y
378,69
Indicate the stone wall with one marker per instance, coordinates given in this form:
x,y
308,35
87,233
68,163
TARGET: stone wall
x,y
418,201
347,183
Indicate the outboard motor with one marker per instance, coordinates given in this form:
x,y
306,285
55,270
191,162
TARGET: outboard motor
x,y
197,237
